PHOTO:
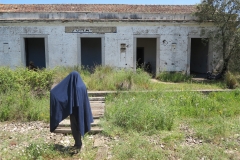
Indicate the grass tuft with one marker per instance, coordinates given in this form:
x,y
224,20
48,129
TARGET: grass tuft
x,y
173,77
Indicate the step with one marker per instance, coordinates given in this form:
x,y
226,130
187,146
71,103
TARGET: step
x,y
96,98
94,129
95,114
66,123
99,93
97,102
97,105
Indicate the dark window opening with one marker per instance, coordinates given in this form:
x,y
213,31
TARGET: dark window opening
x,y
35,52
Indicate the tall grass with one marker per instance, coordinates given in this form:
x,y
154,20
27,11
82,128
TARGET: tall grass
x,y
140,112
151,111
108,78
137,118
173,77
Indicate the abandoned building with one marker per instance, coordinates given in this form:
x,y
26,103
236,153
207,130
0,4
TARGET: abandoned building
x,y
123,36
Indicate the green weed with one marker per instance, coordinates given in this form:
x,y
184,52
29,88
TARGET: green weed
x,y
137,147
173,77
140,112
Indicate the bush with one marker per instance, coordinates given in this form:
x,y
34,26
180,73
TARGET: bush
x,y
8,80
38,81
230,80
23,94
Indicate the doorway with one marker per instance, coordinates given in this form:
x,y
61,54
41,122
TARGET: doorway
x,y
140,57
146,55
199,57
91,52
35,52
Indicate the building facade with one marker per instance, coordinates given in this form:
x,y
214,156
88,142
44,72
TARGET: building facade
x,y
122,36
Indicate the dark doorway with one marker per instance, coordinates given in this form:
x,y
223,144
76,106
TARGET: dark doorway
x,y
140,57
91,52
35,52
199,57
146,54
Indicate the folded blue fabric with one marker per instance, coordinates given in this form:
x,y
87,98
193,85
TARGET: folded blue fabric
x,y
70,97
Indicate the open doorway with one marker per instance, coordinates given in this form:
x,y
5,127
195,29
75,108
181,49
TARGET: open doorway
x,y
91,52
35,52
140,57
199,57
146,54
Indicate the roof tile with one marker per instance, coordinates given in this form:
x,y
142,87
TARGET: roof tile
x,y
107,8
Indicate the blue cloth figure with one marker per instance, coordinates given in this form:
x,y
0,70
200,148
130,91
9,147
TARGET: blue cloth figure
x,y
70,97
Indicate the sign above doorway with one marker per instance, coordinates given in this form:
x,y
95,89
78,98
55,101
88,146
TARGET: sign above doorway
x,y
99,30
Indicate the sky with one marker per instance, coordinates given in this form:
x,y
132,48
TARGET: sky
x,y
159,2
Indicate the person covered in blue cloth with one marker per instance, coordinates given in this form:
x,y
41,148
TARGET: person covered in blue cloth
x,y
70,97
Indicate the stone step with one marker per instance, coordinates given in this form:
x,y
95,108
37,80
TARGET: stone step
x,y
99,93
97,102
97,105
66,123
95,113
96,99
94,129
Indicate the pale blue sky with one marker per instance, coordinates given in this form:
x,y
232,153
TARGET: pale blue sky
x,y
159,2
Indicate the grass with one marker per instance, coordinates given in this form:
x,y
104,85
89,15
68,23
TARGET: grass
x,y
169,122
107,78
202,126
173,77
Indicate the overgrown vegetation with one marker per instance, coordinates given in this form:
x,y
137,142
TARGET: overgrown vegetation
x,y
197,122
108,78
23,93
152,111
163,123
231,80
173,77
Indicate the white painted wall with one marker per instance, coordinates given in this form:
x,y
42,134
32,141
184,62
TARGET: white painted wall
x,y
62,48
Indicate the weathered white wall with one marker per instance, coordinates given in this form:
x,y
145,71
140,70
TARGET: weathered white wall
x,y
62,47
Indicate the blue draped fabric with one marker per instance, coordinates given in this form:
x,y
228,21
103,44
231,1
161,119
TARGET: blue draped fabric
x,y
70,97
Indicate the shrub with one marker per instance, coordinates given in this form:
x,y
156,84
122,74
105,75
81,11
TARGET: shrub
x,y
20,92
38,81
8,80
230,80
